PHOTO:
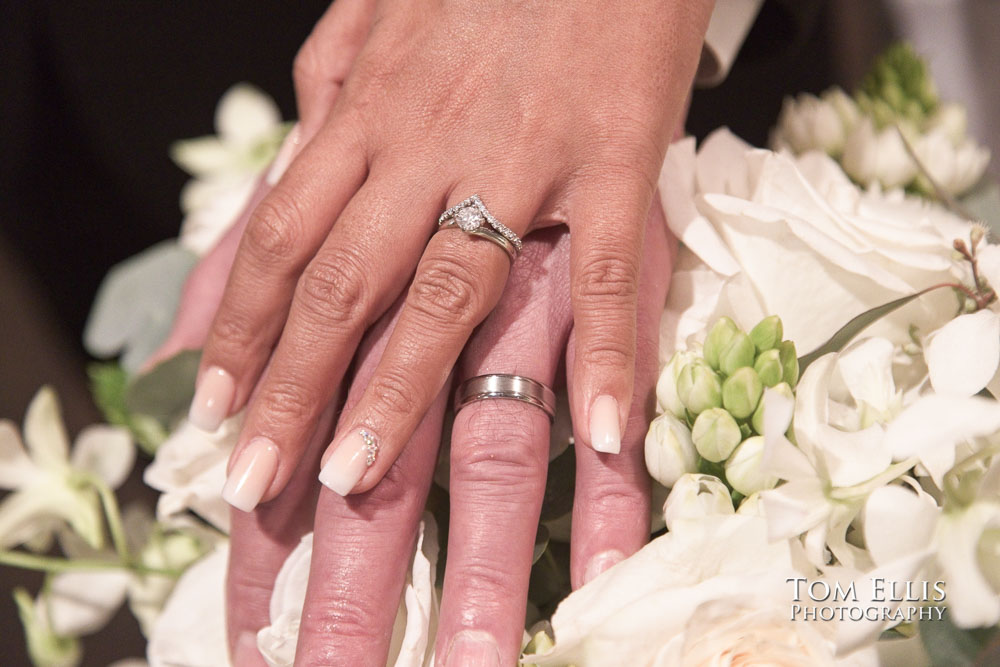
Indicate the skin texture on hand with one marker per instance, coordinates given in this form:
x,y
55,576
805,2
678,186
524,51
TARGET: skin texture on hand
x,y
552,112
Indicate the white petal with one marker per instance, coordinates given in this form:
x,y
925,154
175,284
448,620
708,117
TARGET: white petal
x,y
82,603
963,355
203,156
32,512
867,372
794,507
15,466
416,645
245,113
936,423
853,457
106,451
44,432
898,521
971,600
191,631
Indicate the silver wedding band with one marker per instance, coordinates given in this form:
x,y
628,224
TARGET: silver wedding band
x,y
472,217
512,387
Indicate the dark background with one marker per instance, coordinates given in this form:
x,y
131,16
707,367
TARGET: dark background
x,y
93,93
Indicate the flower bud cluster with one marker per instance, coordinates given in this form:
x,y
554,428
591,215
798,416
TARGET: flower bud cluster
x,y
866,132
712,412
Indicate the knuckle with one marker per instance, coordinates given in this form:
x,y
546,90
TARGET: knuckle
x,y
274,227
286,402
346,617
448,293
487,581
499,456
307,66
395,394
232,335
335,287
608,350
610,278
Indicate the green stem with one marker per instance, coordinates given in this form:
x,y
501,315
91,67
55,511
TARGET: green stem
x,y
55,565
114,517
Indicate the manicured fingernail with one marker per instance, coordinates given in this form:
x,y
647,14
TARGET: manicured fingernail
x,y
472,648
602,562
212,399
350,459
605,428
289,149
252,473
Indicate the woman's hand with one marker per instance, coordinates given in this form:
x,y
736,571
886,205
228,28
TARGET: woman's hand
x,y
558,112
499,454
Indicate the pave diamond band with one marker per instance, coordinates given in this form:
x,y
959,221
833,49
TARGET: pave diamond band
x,y
371,447
472,217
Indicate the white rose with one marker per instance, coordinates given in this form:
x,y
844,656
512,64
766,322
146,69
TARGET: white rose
x,y
698,595
670,452
696,497
766,234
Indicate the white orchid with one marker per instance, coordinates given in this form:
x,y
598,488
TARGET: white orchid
x,y
875,155
838,460
51,485
226,166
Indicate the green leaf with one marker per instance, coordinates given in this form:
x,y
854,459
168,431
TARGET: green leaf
x,y
950,646
165,392
135,304
108,383
983,203
858,324
560,486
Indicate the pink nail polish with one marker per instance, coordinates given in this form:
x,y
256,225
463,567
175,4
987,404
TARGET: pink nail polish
x,y
605,425
351,457
212,399
290,147
601,562
252,474
472,648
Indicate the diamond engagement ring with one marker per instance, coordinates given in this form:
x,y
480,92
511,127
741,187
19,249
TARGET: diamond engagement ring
x,y
472,217
502,385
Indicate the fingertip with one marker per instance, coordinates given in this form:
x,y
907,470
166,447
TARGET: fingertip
x,y
349,460
605,425
213,399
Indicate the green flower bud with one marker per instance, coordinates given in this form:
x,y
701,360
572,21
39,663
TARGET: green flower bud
x,y
743,469
738,354
741,392
718,339
716,434
789,362
699,388
667,399
768,367
758,416
767,334
669,450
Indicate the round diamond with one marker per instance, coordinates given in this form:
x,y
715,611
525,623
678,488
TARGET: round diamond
x,y
469,218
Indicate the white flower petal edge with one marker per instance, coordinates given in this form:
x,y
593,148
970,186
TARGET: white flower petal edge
x,y
191,631
412,642
963,355
83,602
